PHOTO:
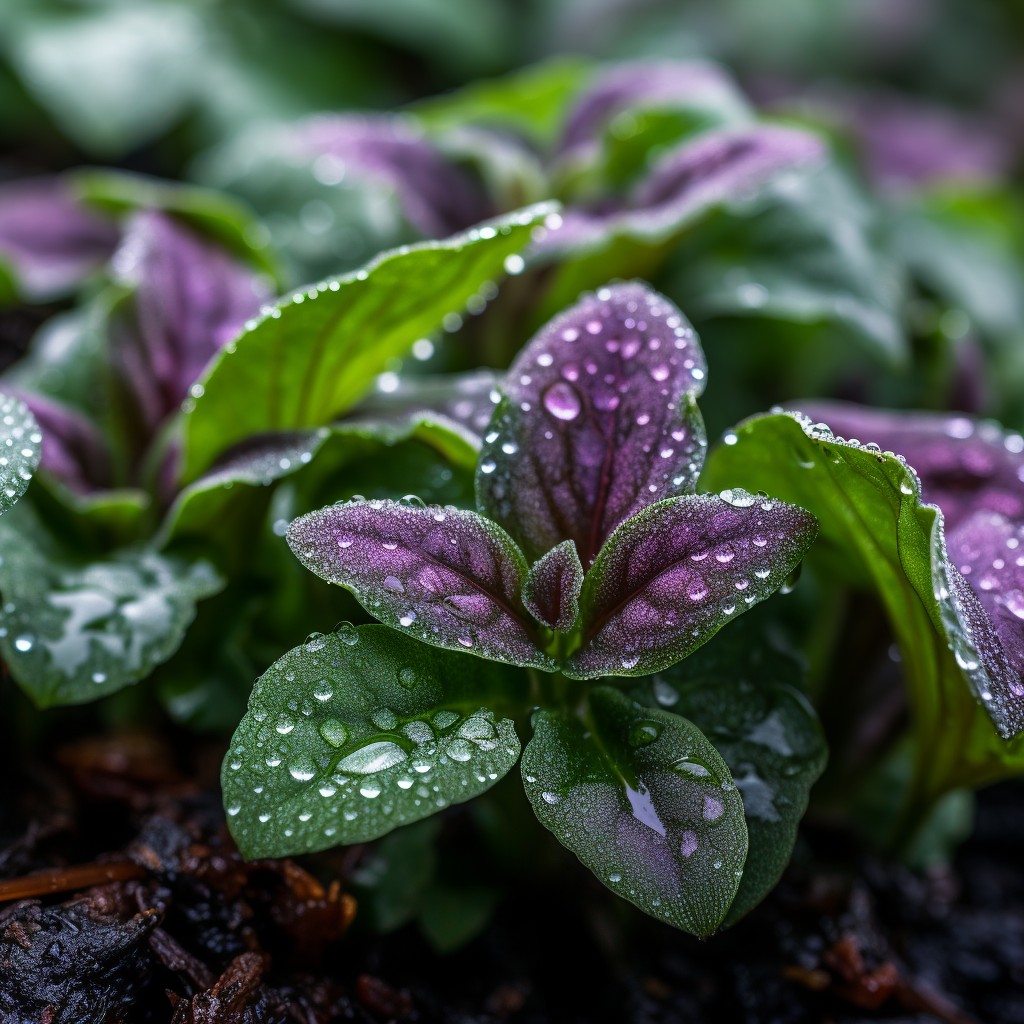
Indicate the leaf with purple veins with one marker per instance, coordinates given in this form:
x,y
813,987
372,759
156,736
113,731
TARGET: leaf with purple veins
x,y
671,576
716,168
598,421
449,577
987,549
551,593
190,298
436,196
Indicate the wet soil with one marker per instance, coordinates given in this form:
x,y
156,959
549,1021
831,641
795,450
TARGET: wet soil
x,y
124,900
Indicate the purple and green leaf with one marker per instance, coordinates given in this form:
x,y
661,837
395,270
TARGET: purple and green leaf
x,y
599,419
51,240
877,533
357,732
450,578
671,576
646,802
551,593
187,299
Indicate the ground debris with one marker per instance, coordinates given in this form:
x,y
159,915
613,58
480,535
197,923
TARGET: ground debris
x,y
71,964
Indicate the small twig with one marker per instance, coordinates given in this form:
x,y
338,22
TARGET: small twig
x,y
53,880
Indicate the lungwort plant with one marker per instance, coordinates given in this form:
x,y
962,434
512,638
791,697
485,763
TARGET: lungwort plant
x,y
566,603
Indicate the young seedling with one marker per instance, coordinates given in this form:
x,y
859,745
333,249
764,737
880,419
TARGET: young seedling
x,y
590,557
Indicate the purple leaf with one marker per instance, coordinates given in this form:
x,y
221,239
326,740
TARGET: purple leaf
x,y
643,84
190,299
551,593
437,198
51,240
987,549
677,571
964,465
599,419
74,451
717,167
451,578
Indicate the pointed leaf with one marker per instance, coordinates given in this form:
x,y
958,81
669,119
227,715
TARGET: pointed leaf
x,y
21,446
718,167
314,354
742,694
599,420
876,532
551,593
451,578
437,197
188,299
360,731
50,239
646,802
671,576
73,630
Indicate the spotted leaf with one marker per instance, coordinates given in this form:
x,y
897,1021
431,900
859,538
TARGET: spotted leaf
x,y
450,578
551,593
646,802
671,576
744,694
357,732
21,444
599,420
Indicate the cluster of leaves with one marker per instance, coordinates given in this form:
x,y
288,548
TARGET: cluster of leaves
x,y
567,548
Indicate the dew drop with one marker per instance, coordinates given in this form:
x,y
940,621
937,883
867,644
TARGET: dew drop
x,y
562,401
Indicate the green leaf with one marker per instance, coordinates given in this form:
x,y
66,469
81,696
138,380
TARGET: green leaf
x,y
646,802
453,915
532,102
215,214
20,450
112,76
360,731
393,877
741,692
313,355
876,533
74,629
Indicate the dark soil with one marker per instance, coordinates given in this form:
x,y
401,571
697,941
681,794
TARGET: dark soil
x,y
126,901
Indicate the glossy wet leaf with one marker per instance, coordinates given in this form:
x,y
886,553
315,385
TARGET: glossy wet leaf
x,y
221,497
671,576
313,355
599,419
21,445
74,629
448,577
645,801
744,695
551,592
360,731
876,533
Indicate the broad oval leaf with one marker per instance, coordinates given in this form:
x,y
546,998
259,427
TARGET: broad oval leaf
x,y
73,630
360,731
646,802
877,532
449,577
671,576
551,592
21,446
744,696
598,421
312,355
